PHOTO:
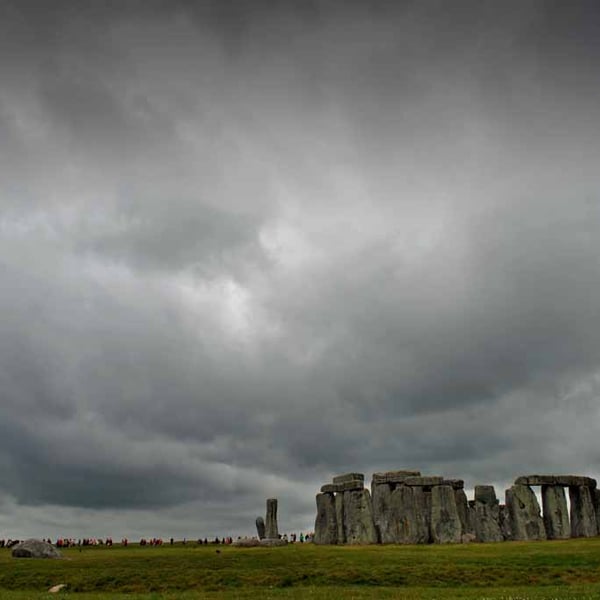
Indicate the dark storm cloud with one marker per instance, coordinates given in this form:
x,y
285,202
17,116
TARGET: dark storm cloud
x,y
244,246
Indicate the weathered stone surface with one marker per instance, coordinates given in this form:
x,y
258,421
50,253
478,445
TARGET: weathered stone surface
x,y
487,515
597,507
424,481
393,476
504,522
349,477
446,527
247,543
359,527
456,484
485,494
555,512
564,480
422,500
339,518
583,515
407,521
525,518
270,542
347,486
260,528
35,549
462,507
325,523
271,528
381,498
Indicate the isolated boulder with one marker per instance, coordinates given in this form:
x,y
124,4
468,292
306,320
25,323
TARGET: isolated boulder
x,y
35,549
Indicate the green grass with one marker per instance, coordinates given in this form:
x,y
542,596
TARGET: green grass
x,y
517,571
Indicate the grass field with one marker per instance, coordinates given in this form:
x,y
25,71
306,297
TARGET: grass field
x,y
516,571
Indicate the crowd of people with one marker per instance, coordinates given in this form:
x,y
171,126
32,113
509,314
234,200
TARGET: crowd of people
x,y
66,542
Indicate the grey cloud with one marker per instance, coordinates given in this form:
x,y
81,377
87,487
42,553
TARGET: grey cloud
x,y
245,247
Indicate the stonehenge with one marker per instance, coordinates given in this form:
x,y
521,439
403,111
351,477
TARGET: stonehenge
x,y
406,507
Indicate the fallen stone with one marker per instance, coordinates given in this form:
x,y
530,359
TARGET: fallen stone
x,y
349,477
424,481
393,476
271,528
359,527
525,519
271,542
563,480
246,543
583,515
33,548
325,523
556,514
446,527
260,528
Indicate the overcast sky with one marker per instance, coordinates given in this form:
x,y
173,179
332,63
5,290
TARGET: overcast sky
x,y
246,246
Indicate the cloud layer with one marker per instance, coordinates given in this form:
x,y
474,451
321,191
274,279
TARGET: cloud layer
x,y
245,248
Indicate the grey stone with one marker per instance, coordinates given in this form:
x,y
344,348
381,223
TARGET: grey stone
x,y
270,542
424,481
381,498
487,515
325,523
505,522
393,476
597,507
446,527
462,507
339,518
563,480
456,484
349,477
408,522
246,543
260,528
583,515
271,528
347,486
556,514
33,548
359,527
422,500
485,494
524,510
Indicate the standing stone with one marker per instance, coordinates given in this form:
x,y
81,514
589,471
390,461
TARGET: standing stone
x,y
339,518
596,494
422,502
524,510
404,524
325,523
504,522
462,507
271,529
556,514
359,527
260,528
382,493
487,514
583,515
446,527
